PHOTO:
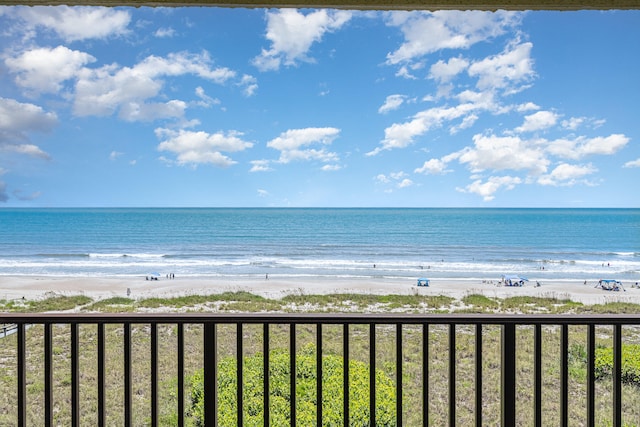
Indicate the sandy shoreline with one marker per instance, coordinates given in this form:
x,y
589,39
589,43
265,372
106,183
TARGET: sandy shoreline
x,y
38,287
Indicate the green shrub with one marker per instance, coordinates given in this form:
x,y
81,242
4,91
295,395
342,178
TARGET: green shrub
x,y
630,363
332,376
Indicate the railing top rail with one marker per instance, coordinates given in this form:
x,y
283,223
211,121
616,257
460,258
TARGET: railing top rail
x,y
355,4
323,318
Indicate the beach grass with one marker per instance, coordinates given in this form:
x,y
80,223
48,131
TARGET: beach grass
x,y
112,305
332,344
611,308
52,303
533,304
337,302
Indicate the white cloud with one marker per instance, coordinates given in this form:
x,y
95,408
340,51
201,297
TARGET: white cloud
x,y
573,123
27,149
17,117
401,135
538,121
293,144
433,167
506,71
205,100
330,168
405,73
17,120
527,106
193,148
292,34
393,102
504,153
146,112
114,155
443,71
566,174
249,84
428,32
103,91
381,178
260,166
181,63
633,163
165,33
394,180
581,146
262,193
603,145
488,188
466,123
44,69
77,23
405,183
397,175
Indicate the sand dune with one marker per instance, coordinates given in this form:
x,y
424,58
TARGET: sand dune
x,y
17,287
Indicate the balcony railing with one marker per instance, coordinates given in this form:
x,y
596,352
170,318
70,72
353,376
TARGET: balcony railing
x,y
413,338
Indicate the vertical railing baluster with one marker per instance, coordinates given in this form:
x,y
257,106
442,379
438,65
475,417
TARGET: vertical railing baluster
x,y
591,376
425,375
478,378
537,366
372,374
22,376
127,375
508,375
617,375
210,375
319,382
154,374
48,375
75,375
564,375
181,384
292,372
452,374
509,328
345,378
240,372
102,421
266,369
399,373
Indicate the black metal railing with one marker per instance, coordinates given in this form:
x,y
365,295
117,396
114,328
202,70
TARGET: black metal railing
x,y
453,324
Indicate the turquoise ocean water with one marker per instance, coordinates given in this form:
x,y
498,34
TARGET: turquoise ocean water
x,y
540,244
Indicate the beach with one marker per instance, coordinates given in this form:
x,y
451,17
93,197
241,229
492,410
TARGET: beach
x,y
104,253
137,287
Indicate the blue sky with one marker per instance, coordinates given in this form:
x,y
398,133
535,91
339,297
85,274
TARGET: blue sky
x,y
257,107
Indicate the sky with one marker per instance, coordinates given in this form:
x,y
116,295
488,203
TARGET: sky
x,y
217,107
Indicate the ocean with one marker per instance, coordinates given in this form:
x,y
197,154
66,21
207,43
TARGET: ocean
x,y
558,244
